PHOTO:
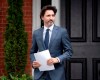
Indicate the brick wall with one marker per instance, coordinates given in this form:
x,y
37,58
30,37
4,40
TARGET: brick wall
x,y
27,11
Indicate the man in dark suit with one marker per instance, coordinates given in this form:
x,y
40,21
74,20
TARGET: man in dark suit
x,y
58,44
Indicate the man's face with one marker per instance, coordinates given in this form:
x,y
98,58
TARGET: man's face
x,y
48,18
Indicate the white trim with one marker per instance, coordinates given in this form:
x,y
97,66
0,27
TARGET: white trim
x,y
36,8
36,21
57,4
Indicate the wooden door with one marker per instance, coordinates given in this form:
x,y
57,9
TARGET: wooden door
x,y
82,19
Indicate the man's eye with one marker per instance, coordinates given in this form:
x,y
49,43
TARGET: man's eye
x,y
48,15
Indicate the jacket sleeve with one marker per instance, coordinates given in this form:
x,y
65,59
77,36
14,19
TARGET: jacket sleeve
x,y
34,48
67,48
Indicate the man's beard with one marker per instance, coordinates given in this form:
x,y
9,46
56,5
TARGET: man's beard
x,y
50,22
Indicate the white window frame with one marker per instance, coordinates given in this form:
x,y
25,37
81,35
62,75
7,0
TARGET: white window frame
x,y
36,8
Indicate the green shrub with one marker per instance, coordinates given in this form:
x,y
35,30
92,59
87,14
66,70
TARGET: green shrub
x,y
3,78
15,45
23,77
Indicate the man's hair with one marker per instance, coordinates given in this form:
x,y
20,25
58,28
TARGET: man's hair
x,y
47,7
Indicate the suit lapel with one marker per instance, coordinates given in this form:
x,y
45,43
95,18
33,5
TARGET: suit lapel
x,y
53,36
41,36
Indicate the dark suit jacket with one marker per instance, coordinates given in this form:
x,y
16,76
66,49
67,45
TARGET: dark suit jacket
x,y
59,47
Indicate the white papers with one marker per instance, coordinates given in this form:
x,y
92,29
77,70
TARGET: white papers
x,y
42,57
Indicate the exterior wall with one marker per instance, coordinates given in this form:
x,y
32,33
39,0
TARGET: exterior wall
x,y
27,11
3,8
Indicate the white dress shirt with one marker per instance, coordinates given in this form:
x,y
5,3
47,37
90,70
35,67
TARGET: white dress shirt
x,y
50,33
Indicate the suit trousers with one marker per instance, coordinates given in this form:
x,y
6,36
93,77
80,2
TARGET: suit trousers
x,y
45,76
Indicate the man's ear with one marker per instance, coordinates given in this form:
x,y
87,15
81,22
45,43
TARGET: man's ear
x,y
42,18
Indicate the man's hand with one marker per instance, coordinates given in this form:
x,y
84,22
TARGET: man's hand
x,y
52,61
36,64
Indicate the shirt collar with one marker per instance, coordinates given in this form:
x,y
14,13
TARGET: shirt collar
x,y
51,27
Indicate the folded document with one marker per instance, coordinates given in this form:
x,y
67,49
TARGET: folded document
x,y
42,57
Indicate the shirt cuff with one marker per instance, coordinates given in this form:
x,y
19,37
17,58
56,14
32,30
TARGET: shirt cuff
x,y
58,59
